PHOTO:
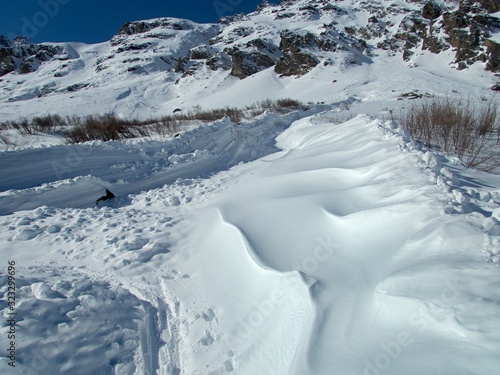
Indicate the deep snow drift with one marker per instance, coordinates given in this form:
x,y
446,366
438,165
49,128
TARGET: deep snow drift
x,y
340,249
321,242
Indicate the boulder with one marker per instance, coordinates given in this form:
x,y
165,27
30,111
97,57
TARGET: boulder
x,y
431,10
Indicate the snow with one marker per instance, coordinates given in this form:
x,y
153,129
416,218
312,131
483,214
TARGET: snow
x,y
151,89
343,246
324,241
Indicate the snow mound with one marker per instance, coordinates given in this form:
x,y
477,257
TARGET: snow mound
x,y
341,247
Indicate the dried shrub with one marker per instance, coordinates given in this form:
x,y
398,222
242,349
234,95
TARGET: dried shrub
x,y
48,123
459,127
111,127
104,128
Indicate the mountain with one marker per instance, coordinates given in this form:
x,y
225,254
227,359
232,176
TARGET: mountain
x,y
315,239
152,67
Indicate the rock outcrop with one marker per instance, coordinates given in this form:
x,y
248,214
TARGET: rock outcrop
x,y
252,57
247,63
297,58
22,56
465,29
493,55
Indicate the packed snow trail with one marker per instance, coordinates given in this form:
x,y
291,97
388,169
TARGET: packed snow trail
x,y
35,177
344,253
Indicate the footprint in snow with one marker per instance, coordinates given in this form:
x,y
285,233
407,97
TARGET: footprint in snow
x,y
26,234
207,339
135,244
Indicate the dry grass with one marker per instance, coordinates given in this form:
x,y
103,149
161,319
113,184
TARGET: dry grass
x,y
104,128
111,127
48,124
457,126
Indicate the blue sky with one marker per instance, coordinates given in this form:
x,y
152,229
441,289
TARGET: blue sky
x,y
93,21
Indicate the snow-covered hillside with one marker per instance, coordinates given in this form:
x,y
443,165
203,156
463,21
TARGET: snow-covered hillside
x,y
323,241
311,50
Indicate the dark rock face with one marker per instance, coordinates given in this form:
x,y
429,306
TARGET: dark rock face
x,y
24,57
302,51
179,66
491,6
411,31
431,10
493,55
467,33
252,57
140,43
466,30
200,53
139,27
296,61
134,47
246,63
298,64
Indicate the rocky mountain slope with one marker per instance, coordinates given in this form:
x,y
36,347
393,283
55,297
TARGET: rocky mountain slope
x,y
290,40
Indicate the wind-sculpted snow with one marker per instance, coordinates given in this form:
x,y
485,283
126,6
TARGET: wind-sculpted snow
x,y
342,206
31,178
334,248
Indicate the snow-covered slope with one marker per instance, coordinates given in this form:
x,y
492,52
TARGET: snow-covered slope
x,y
308,50
324,241
345,250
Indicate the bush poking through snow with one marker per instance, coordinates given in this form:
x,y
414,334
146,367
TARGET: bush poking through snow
x,y
41,124
48,123
112,127
104,128
457,126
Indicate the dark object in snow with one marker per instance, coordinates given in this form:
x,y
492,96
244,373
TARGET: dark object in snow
x,y
177,110
109,195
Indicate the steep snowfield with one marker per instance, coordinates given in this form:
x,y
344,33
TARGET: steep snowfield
x,y
339,248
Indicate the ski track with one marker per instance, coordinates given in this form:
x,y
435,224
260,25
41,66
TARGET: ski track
x,y
131,167
150,339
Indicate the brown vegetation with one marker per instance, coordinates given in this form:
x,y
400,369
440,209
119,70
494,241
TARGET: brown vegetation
x,y
457,126
111,127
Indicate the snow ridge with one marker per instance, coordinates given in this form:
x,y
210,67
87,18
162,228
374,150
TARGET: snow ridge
x,y
347,247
